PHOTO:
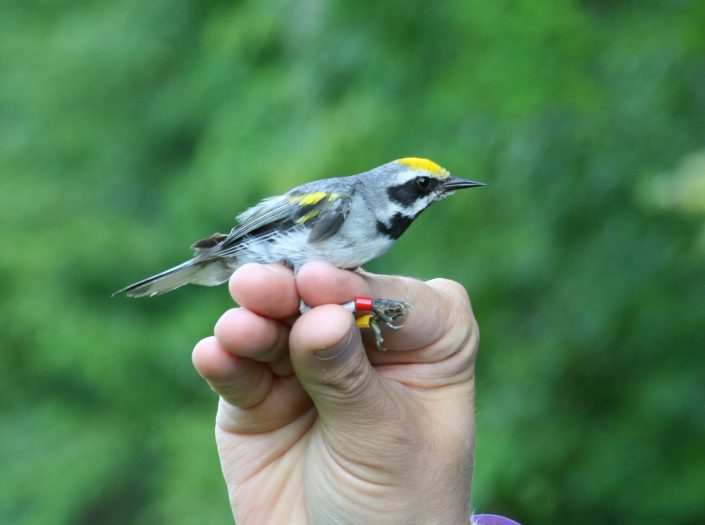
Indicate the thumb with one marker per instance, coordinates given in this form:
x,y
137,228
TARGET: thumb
x,y
330,362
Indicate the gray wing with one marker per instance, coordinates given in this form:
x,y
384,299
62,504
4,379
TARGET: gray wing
x,y
322,211
269,211
329,220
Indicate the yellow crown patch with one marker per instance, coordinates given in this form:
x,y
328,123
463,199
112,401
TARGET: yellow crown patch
x,y
416,163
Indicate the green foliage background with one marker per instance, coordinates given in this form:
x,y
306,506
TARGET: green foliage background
x,y
129,129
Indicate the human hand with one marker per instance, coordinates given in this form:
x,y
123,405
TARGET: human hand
x,y
316,426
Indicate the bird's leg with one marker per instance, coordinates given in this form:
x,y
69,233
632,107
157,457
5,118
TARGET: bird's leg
x,y
372,313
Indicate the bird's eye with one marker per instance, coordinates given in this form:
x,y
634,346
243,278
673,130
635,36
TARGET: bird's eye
x,y
423,183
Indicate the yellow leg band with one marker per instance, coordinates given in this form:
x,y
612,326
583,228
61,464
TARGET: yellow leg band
x,y
363,321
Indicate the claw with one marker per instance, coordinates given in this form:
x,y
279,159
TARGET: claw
x,y
389,311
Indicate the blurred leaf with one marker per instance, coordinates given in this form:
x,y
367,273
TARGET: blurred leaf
x,y
130,129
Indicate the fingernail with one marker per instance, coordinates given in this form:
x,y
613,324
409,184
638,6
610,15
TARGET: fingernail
x,y
336,351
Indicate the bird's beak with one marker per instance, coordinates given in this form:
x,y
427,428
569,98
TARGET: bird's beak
x,y
457,183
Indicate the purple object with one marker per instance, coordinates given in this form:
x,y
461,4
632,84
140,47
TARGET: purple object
x,y
492,519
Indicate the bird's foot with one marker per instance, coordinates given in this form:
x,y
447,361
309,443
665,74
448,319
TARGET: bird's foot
x,y
374,313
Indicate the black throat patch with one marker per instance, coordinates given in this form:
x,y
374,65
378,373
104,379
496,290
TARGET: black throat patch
x,y
397,225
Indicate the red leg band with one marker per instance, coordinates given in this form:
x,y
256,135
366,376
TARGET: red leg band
x,y
363,304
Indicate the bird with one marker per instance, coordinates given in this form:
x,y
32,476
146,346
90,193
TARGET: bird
x,y
346,221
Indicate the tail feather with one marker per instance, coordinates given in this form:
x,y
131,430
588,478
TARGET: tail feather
x,y
207,273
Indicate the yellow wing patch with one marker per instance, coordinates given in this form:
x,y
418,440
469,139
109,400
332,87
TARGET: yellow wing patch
x,y
416,163
311,199
307,217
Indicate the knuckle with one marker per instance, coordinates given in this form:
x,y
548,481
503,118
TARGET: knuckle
x,y
451,288
351,381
